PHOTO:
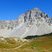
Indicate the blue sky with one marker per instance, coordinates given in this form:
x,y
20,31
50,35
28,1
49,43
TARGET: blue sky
x,y
11,9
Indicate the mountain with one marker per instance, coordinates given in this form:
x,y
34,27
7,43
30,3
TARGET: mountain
x,y
31,23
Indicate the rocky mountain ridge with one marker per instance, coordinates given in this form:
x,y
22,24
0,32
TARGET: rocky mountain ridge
x,y
33,22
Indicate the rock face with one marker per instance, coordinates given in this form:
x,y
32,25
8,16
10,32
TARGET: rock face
x,y
33,22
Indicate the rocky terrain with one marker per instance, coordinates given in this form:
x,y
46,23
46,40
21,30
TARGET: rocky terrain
x,y
31,23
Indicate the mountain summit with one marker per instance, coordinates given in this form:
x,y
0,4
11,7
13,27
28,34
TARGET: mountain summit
x,y
31,23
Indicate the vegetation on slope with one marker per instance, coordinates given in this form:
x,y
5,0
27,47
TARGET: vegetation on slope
x,y
10,43
39,44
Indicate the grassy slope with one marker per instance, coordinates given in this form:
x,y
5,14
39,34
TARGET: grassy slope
x,y
9,43
39,44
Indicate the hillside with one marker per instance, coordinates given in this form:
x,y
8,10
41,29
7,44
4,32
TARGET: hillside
x,y
37,44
